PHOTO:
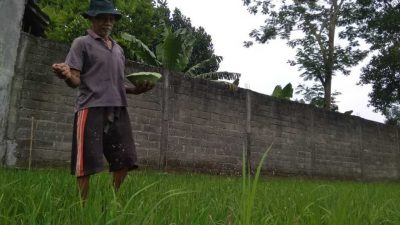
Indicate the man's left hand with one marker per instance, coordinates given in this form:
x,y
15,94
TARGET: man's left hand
x,y
140,88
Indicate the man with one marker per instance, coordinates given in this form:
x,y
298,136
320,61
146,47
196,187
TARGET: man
x,y
95,64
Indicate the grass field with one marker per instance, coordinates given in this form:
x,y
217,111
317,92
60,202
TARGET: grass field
x,y
48,197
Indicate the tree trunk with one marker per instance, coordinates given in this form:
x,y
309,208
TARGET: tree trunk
x,y
331,54
164,121
327,94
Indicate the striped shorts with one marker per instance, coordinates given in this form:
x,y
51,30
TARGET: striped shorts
x,y
99,132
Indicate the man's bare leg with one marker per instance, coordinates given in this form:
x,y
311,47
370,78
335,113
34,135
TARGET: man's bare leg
x,y
83,186
118,178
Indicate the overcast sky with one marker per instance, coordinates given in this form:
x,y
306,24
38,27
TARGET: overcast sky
x,y
263,66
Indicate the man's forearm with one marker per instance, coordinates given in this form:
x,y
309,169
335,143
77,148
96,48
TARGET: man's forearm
x,y
72,80
72,83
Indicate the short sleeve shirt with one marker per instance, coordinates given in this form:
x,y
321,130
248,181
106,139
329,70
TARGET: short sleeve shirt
x,y
102,72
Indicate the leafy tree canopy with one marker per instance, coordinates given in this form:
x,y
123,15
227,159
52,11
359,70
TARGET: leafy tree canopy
x,y
314,95
203,48
65,23
319,56
381,29
141,18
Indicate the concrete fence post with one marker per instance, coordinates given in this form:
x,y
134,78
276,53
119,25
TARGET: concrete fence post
x,y
311,143
361,149
248,130
164,120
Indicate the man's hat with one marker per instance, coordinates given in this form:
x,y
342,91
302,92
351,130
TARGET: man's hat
x,y
101,7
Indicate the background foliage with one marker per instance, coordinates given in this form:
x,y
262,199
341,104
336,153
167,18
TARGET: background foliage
x,y
141,18
381,29
327,35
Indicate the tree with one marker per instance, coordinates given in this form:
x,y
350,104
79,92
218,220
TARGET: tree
x,y
380,28
393,115
314,95
321,22
66,24
144,19
141,18
378,22
203,48
383,72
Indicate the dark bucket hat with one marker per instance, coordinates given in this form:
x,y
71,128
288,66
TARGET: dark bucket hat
x,y
101,7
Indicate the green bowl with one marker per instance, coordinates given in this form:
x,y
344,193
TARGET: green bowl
x,y
140,77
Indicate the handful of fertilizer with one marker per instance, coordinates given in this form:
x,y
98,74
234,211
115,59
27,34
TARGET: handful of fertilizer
x,y
139,78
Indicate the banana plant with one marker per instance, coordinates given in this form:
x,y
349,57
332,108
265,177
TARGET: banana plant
x,y
175,50
174,54
285,93
211,75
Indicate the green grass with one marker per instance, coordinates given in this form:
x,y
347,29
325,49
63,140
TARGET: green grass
x,y
48,197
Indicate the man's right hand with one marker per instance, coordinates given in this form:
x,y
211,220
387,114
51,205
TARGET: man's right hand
x,y
62,70
70,76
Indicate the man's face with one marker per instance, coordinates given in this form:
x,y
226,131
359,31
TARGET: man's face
x,y
102,24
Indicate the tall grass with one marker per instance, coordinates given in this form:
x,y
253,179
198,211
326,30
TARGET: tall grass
x,y
48,197
249,187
